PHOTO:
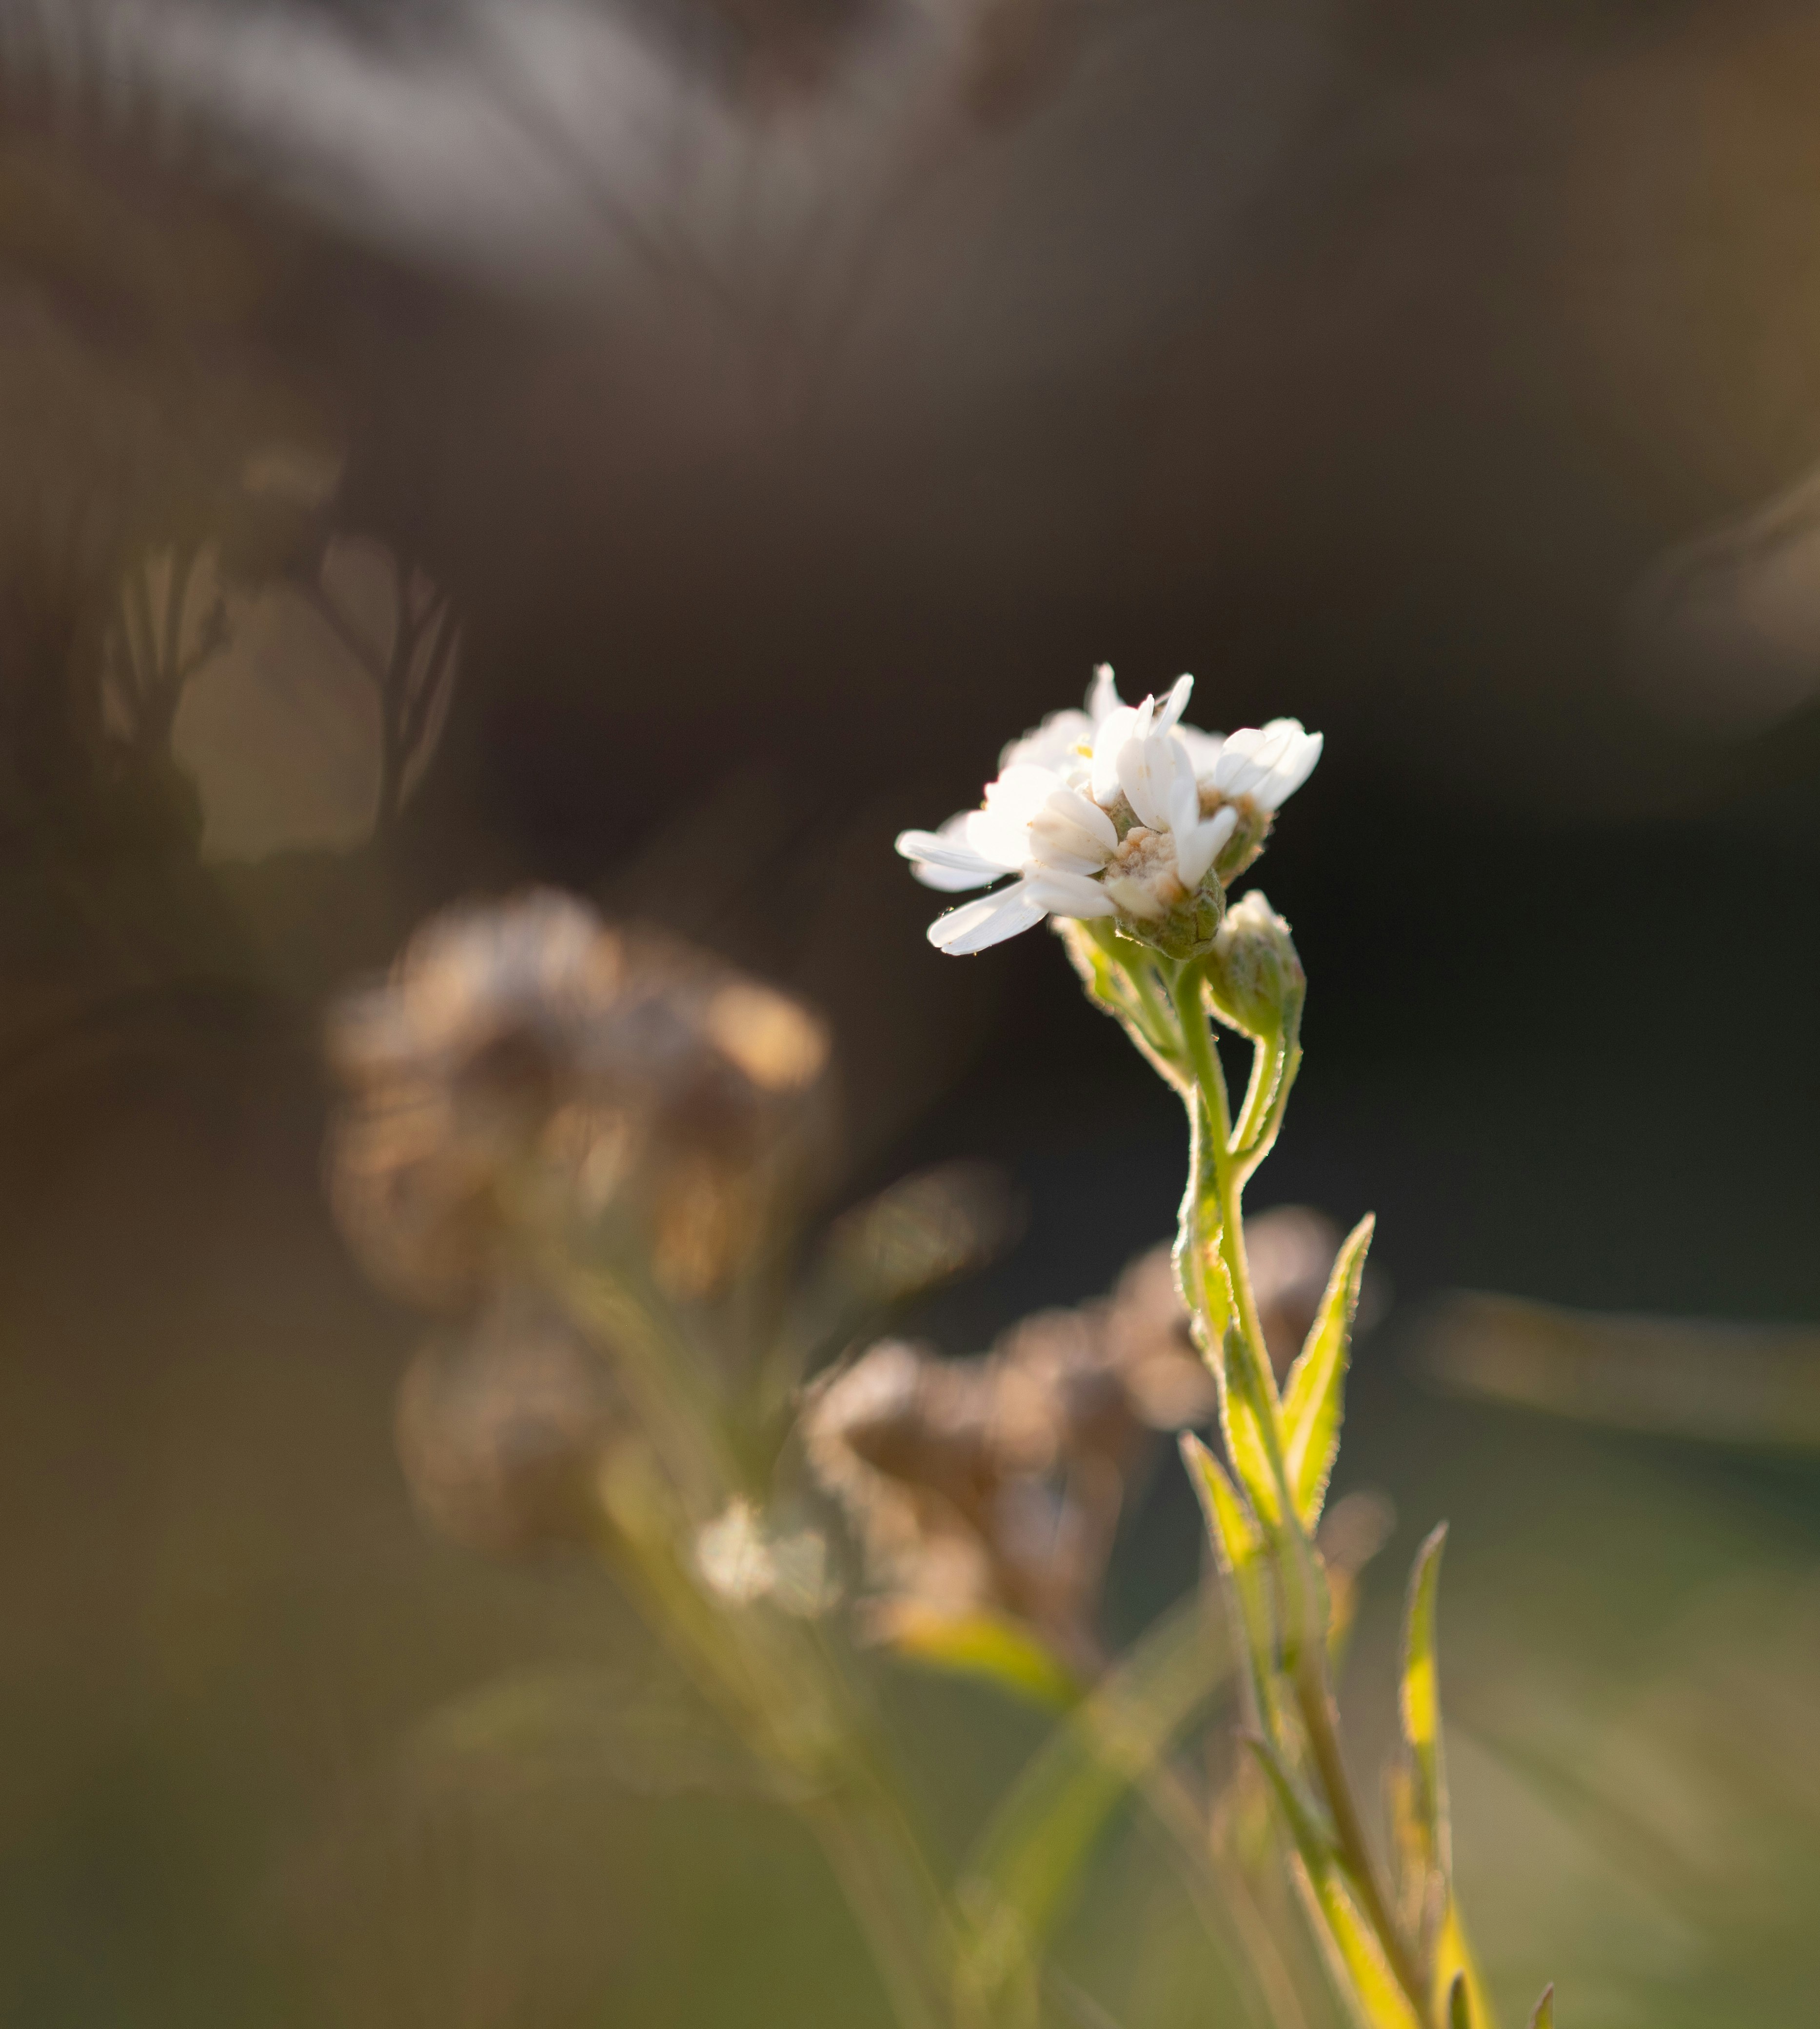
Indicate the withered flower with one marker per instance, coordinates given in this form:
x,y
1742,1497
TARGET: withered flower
x,y
526,1048
994,1484
501,1428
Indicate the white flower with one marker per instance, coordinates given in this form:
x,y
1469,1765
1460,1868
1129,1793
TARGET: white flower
x,y
1117,809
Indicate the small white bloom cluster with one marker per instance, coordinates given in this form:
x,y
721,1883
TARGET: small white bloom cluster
x,y
1115,811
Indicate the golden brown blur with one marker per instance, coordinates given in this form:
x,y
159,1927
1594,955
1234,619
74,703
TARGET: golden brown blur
x,y
506,510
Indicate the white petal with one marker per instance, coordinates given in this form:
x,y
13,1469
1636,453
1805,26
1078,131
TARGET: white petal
x,y
1069,894
954,879
1176,703
1003,840
1197,846
1203,749
1184,802
1082,810
1022,790
1250,755
1110,735
1148,772
1291,772
1103,699
1059,742
977,925
940,860
1055,842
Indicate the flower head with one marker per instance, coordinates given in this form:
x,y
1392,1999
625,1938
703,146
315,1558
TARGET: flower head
x,y
525,1045
1117,810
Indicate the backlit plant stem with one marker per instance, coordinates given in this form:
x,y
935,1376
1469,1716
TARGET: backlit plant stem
x,y
1220,1163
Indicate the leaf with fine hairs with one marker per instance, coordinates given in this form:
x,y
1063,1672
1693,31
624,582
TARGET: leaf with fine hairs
x,y
1421,1705
1314,1402
1239,1550
1248,1408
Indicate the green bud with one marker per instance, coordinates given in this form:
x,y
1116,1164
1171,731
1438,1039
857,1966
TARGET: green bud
x,y
1256,978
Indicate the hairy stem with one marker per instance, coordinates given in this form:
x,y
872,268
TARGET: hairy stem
x,y
1233,1158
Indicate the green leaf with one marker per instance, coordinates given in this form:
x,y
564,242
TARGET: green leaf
x,y
1454,1966
1028,1861
993,1646
1360,1969
1459,2008
1544,2017
1247,1410
1420,1702
1315,1400
1238,1546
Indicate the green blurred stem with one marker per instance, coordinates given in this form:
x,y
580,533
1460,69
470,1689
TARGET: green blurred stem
x,y
783,1688
888,1888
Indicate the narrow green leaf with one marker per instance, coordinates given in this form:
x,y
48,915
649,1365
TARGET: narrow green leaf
x,y
1454,1967
1361,1972
1314,1402
1544,2017
1239,1547
1459,2009
993,1646
1025,1865
1421,1715
1247,1408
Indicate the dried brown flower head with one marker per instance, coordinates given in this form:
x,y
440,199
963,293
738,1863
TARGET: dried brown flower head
x,y
994,1484
528,1045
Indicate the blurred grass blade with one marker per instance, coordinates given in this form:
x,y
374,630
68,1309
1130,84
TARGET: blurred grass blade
x,y
1421,1705
1026,1863
559,1726
1544,2017
1239,1547
1361,1972
1737,1384
1459,2008
1314,1402
991,1646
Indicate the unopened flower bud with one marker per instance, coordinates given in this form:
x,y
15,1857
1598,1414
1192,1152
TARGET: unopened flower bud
x,y
1256,978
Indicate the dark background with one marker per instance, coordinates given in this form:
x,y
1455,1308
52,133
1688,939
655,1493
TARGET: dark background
x,y
1364,361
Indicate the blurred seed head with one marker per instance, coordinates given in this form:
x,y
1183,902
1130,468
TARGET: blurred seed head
x,y
502,1429
526,1052
993,1484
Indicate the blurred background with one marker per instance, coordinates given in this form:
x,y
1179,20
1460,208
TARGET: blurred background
x,y
664,446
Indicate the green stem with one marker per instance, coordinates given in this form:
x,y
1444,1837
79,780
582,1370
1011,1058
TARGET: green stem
x,y
1233,1158
1314,1701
